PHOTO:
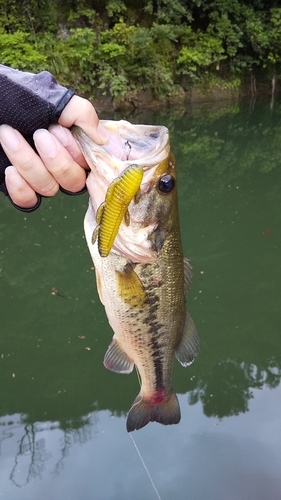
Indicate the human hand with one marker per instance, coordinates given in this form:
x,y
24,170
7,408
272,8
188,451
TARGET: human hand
x,y
59,161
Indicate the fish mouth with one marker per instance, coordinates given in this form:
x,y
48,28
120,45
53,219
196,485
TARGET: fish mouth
x,y
133,143
144,145
128,146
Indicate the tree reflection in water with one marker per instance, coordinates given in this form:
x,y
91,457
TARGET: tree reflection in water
x,y
227,389
60,379
225,392
32,456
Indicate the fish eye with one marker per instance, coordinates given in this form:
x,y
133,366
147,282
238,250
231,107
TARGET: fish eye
x,y
166,184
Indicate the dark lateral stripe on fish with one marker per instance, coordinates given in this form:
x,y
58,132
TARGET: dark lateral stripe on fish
x,y
156,354
152,300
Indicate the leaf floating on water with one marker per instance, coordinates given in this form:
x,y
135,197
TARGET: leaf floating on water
x,y
268,231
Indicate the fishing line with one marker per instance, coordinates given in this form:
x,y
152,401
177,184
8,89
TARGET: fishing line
x,y
130,147
145,467
138,375
123,150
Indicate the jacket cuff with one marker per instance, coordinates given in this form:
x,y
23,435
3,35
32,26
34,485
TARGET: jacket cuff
x,y
62,103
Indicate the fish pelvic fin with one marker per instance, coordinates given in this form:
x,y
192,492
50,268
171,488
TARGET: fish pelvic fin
x,y
116,359
189,344
166,412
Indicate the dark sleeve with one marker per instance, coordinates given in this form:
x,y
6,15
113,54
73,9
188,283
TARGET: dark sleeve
x,y
28,102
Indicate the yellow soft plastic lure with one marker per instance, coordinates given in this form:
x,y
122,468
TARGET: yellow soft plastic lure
x,y
111,213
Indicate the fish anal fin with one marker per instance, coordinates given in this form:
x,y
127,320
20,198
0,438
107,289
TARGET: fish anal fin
x,y
130,288
189,344
116,359
188,274
144,411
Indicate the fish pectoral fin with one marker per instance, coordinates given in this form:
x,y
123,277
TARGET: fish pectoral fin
x,y
116,359
130,288
189,344
188,274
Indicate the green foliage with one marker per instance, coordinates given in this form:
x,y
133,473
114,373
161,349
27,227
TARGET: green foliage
x,y
200,54
170,11
18,51
117,47
115,8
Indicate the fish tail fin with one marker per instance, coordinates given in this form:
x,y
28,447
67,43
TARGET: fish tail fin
x,y
143,411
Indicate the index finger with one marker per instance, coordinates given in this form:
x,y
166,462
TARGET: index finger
x,y
80,112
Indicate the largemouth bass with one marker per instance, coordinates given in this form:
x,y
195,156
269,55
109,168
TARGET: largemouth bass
x,y
142,276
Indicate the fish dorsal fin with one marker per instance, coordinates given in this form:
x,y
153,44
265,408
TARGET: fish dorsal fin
x,y
116,360
188,274
189,345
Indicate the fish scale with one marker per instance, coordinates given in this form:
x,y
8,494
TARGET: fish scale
x,y
143,280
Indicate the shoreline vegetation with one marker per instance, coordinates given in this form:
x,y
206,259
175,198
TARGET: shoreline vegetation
x,y
153,54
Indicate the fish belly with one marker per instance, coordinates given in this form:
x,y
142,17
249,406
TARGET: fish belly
x,y
146,312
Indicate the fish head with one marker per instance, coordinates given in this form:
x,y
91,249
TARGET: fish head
x,y
151,213
155,208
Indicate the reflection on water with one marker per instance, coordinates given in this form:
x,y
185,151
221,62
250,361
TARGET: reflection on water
x,y
62,415
32,456
201,458
228,388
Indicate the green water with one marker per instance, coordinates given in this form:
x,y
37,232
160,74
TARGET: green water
x,y
62,414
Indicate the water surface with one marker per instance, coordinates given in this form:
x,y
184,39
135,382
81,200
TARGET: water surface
x,y
62,414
